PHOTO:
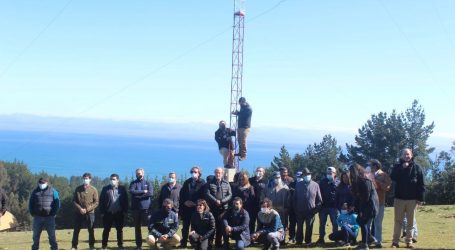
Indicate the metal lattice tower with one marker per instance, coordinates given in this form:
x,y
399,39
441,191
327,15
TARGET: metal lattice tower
x,y
237,65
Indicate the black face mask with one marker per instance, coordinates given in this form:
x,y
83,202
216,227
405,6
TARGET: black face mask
x,y
139,177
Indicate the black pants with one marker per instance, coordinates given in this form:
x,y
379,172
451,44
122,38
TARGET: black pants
x,y
117,220
186,222
89,219
292,223
200,245
253,217
139,217
308,219
218,214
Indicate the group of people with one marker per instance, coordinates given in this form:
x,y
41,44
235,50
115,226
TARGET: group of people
x,y
249,210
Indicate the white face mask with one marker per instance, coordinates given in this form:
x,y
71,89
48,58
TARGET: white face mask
x,y
368,169
42,186
114,182
259,174
299,179
171,180
264,210
87,181
307,178
330,177
195,175
277,181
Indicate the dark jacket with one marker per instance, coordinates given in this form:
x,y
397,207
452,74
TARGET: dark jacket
x,y
365,199
170,193
187,195
203,224
244,116
328,192
343,195
307,198
239,222
409,183
226,194
223,138
86,197
259,190
44,202
141,200
162,222
106,198
247,195
3,201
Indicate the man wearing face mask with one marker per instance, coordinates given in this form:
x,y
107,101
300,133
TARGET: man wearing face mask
x,y
236,224
307,201
259,183
270,230
409,190
192,190
328,186
85,201
278,193
225,145
171,190
141,192
218,195
43,206
163,227
113,207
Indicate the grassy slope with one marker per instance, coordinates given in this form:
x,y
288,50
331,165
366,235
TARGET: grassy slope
x,y
436,231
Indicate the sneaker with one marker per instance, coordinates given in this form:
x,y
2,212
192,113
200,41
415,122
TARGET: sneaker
x,y
395,245
378,245
320,241
414,240
409,245
362,246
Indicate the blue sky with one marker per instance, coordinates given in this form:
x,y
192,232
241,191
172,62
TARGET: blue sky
x,y
320,65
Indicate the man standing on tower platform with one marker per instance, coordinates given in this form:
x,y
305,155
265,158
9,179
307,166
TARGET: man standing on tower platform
x,y
243,126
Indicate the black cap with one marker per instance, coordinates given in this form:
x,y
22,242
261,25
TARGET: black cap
x,y
242,99
43,180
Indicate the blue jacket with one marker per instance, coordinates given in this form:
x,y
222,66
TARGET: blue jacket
x,y
44,202
240,225
141,200
162,223
348,219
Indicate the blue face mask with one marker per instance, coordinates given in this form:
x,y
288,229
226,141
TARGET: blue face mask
x,y
330,177
307,178
344,211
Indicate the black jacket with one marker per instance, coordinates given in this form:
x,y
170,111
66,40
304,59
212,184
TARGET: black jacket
x,y
203,224
162,222
247,195
409,183
223,138
240,225
328,193
186,195
226,194
244,116
170,193
106,198
3,201
259,190
365,199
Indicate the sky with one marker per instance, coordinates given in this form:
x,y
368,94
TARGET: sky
x,y
314,65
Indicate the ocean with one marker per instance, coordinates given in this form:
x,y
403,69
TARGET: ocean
x,y
67,154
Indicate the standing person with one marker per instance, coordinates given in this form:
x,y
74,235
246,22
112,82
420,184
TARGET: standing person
x,y
113,207
163,227
219,194
292,217
141,192
43,206
343,192
409,190
278,193
243,126
285,176
225,144
259,183
328,186
270,231
3,202
202,226
86,201
366,201
245,191
383,183
236,224
347,221
307,201
192,190
171,190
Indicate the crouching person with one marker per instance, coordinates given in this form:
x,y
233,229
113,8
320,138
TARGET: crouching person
x,y
163,227
236,225
270,231
347,221
202,226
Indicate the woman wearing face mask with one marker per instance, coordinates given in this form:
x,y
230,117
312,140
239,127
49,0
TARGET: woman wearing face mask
x,y
192,190
245,192
113,206
343,192
270,231
202,226
347,221
236,225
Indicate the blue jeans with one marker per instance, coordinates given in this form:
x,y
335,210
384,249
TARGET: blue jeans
x,y
378,224
47,223
365,228
345,234
332,213
239,245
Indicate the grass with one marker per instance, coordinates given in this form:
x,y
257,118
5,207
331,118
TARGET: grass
x,y
436,226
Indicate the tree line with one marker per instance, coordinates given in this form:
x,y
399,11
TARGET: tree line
x,y
381,137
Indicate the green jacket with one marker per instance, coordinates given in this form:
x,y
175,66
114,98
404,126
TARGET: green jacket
x,y
86,198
